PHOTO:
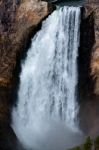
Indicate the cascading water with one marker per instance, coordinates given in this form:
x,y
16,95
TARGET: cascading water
x,y
47,94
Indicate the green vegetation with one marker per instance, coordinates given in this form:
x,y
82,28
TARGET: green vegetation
x,y
77,148
88,144
96,143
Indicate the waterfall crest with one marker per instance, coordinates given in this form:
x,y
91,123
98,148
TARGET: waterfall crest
x,y
48,81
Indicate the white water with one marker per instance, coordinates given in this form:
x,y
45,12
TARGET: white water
x,y
47,98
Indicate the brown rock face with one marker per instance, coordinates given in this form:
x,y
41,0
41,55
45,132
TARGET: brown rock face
x,y
95,54
89,69
18,20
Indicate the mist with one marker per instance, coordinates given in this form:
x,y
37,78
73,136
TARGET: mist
x,y
48,135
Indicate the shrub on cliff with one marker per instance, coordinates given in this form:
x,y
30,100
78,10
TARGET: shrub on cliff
x,y
96,143
88,144
77,148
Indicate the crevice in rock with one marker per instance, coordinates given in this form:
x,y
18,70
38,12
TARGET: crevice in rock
x,y
86,84
87,40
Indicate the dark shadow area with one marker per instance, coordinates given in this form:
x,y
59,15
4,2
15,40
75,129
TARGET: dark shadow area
x,y
66,2
86,84
87,40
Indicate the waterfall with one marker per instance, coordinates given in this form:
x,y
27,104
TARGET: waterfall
x,y
48,80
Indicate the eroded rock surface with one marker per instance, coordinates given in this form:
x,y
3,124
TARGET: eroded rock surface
x,y
89,69
18,20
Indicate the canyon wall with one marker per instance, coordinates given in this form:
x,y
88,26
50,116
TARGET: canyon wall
x,y
89,68
19,21
92,8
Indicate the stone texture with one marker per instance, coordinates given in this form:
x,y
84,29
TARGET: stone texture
x,y
19,20
95,53
89,69
16,20
16,24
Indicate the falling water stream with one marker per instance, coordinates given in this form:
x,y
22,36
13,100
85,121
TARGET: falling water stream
x,y
46,111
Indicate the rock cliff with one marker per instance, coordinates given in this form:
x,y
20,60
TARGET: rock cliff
x,y
19,20
16,21
89,68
